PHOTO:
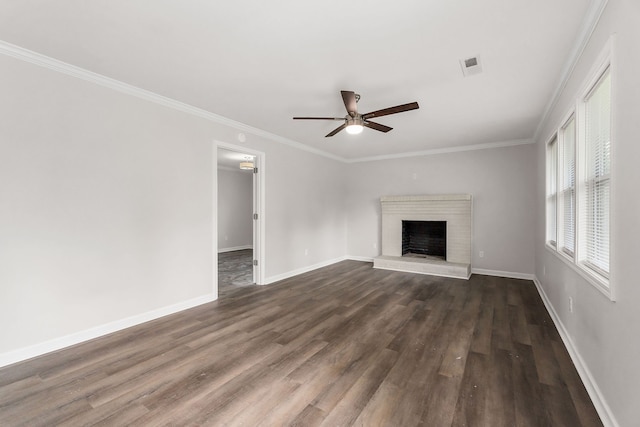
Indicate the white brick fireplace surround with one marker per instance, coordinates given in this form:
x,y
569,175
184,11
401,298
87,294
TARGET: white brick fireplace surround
x,y
455,209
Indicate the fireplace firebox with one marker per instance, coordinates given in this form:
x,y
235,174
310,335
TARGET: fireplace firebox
x,y
424,239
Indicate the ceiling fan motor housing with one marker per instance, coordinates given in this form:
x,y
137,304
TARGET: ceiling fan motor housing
x,y
357,120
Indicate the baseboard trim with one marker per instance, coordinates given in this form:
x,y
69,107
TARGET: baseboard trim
x,y
302,270
497,273
359,258
606,416
55,344
235,248
507,274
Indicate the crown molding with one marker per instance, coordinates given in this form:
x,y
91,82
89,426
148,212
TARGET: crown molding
x,y
26,55
591,19
53,64
446,150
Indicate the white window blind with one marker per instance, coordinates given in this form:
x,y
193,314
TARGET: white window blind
x,y
552,192
568,187
597,127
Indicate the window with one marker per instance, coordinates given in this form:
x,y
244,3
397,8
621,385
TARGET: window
x,y
552,192
578,183
567,190
597,175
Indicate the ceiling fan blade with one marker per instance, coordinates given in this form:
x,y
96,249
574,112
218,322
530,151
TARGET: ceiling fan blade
x,y
377,126
391,110
350,103
336,130
318,118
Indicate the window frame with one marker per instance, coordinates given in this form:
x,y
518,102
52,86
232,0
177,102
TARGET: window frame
x,y
603,281
551,193
596,272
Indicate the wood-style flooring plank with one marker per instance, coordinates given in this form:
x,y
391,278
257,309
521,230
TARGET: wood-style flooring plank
x,y
579,397
341,345
439,405
380,407
482,333
309,417
357,396
527,389
471,405
499,389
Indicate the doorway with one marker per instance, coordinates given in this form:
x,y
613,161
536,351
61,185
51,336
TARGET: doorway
x,y
239,218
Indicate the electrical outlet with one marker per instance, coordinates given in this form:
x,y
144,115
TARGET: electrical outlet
x,y
544,270
570,305
375,246
306,251
481,253
226,237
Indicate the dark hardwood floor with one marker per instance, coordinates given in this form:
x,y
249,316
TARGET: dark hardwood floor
x,y
342,345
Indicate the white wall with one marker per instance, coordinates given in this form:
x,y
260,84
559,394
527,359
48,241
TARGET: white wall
x,y
105,206
604,334
501,181
235,209
305,216
108,209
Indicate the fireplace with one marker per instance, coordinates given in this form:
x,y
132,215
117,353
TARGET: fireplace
x,y
446,220
425,239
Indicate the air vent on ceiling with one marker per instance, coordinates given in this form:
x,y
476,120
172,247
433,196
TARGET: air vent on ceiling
x,y
471,66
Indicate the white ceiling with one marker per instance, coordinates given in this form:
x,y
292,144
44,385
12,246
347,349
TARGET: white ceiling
x,y
261,63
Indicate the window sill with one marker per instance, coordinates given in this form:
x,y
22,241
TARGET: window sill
x,y
598,282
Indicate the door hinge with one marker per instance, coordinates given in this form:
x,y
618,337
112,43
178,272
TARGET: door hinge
x,y
255,262
255,170
255,216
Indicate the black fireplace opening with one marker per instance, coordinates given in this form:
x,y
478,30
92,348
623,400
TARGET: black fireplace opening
x,y
424,239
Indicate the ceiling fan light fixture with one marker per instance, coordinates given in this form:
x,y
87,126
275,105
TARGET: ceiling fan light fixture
x,y
247,164
354,126
354,129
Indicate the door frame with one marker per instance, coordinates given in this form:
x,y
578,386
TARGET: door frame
x,y
258,208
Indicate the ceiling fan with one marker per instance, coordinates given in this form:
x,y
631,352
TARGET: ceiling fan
x,y
354,122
